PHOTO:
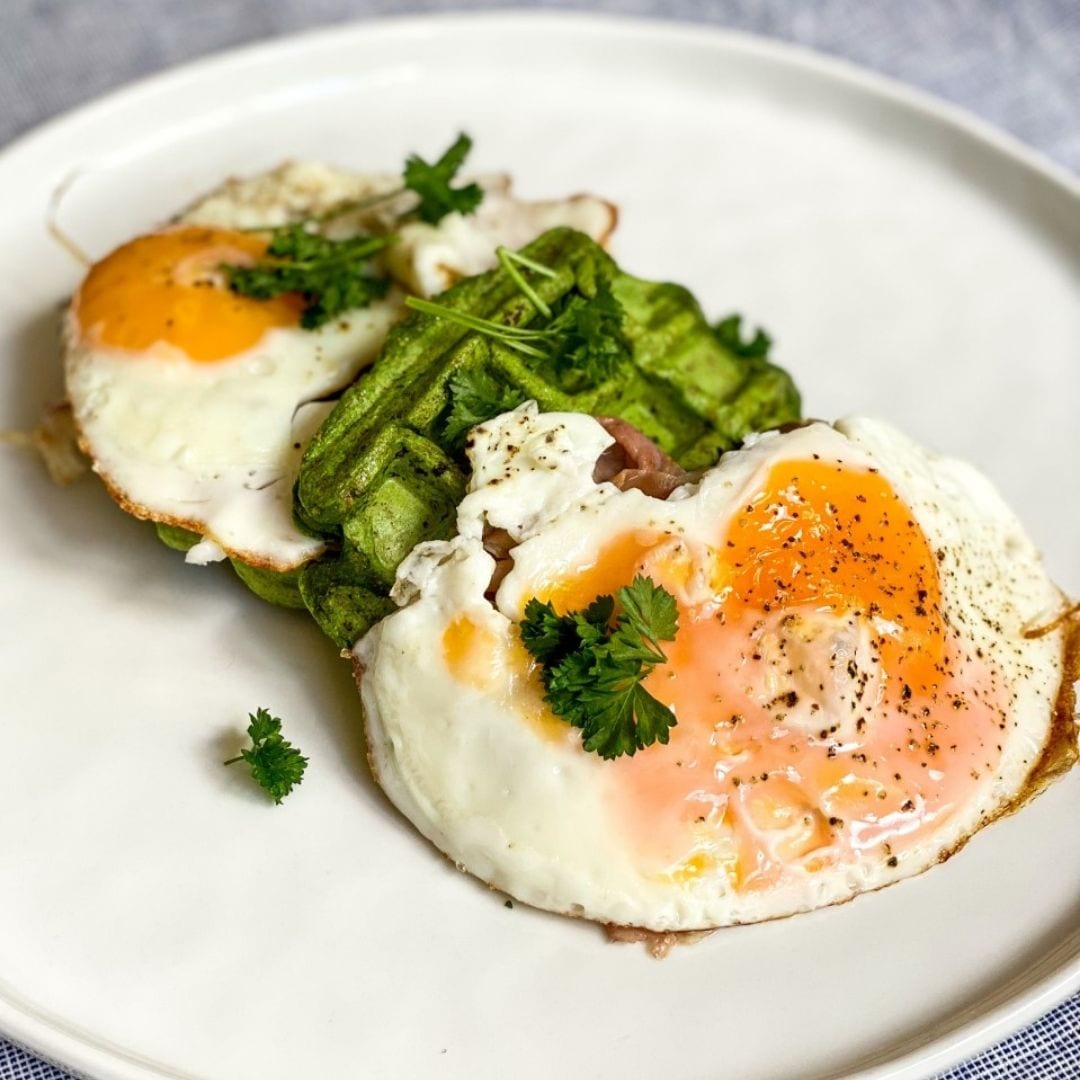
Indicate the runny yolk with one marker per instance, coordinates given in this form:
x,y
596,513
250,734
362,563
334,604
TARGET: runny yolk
x,y
824,710
501,668
168,288
467,651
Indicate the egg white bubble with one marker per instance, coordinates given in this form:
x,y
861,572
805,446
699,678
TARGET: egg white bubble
x,y
508,793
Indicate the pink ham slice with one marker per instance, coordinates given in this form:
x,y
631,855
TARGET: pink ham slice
x,y
632,461
498,543
635,461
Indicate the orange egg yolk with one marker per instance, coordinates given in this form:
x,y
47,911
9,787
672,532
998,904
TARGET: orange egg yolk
x,y
824,708
503,670
168,288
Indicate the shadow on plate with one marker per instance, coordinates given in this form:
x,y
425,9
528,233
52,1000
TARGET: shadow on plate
x,y
59,525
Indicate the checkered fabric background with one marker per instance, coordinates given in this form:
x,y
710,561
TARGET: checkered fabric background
x,y
1014,62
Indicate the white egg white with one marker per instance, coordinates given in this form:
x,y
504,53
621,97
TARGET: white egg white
x,y
507,792
215,447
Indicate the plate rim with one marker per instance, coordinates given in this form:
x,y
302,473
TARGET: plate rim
x,y
65,1045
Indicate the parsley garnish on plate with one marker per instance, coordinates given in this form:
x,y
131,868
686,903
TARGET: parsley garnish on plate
x,y
728,332
588,336
583,339
476,396
432,183
333,276
594,661
276,765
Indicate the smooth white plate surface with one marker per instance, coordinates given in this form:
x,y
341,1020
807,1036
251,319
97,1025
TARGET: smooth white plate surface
x,y
159,918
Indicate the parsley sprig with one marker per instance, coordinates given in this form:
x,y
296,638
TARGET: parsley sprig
x,y
728,332
594,661
583,340
476,396
432,182
589,336
276,765
332,276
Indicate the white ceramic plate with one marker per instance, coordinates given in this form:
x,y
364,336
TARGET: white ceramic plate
x,y
159,918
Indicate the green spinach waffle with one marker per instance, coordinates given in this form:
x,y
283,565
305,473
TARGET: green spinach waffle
x,y
384,471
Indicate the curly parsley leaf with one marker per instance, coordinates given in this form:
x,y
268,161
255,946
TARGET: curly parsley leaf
x,y
652,719
729,333
550,637
546,635
588,336
595,660
276,765
596,616
432,182
476,396
332,276
650,611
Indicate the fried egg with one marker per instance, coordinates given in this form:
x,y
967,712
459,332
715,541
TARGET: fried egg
x,y
195,403
855,680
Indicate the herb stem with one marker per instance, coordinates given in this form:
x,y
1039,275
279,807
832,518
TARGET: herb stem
x,y
513,337
357,204
530,264
507,259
